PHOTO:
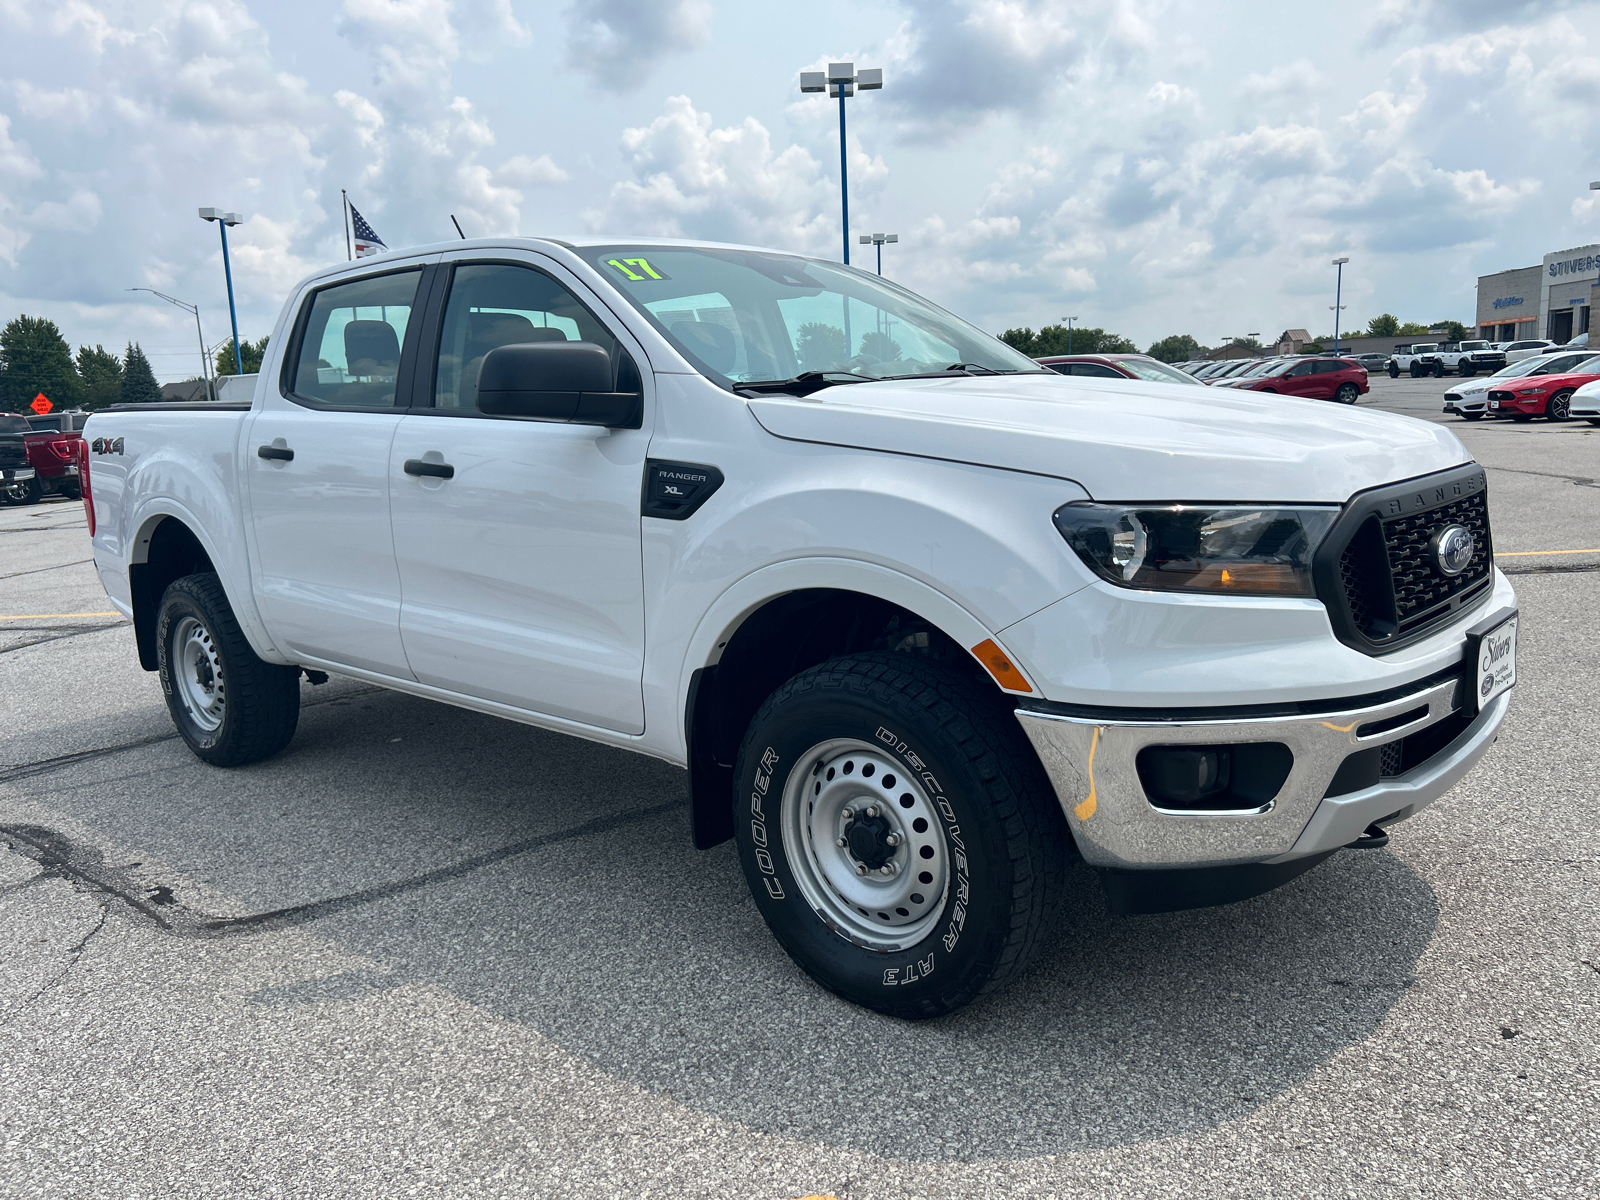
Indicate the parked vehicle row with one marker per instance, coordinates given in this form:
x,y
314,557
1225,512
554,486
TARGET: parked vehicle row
x,y
1471,400
39,456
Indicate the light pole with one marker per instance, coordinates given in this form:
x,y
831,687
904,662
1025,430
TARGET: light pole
x,y
1069,321
1338,306
225,219
205,372
842,80
878,239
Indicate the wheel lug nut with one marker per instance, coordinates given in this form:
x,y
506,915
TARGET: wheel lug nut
x,y
861,868
841,843
887,869
892,840
849,814
872,810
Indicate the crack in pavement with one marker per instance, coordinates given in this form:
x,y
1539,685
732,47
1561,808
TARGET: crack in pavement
x,y
1575,480
39,570
45,765
59,856
73,955
1558,569
60,637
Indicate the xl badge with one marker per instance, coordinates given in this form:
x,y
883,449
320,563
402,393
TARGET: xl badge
x,y
1452,549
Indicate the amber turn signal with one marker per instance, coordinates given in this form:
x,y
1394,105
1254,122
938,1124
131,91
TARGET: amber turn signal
x,y
995,662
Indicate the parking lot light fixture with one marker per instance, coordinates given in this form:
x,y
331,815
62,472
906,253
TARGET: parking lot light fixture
x,y
224,220
842,80
878,240
205,359
1069,321
1338,289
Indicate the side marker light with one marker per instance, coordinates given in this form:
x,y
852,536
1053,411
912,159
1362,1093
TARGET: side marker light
x,y
1000,667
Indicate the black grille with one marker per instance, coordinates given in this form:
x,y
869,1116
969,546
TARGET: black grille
x,y
12,453
1377,571
1421,589
1503,397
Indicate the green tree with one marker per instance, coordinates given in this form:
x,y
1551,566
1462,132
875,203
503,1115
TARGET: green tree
x,y
1411,329
1180,347
1053,339
1384,325
35,358
1451,331
821,347
101,373
139,384
880,347
251,352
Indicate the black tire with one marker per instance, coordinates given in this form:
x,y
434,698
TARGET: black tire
x,y
1593,420
1394,371
1438,370
1560,406
260,701
1466,369
1348,393
1417,372
997,832
29,491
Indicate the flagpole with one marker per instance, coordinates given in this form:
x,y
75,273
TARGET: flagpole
x,y
344,213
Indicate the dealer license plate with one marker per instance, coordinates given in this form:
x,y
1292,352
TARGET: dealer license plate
x,y
1495,662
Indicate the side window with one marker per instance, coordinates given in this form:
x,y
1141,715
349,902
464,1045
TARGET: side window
x,y
499,304
1327,365
1299,370
349,352
1095,371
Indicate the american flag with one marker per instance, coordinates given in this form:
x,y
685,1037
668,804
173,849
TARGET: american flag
x,y
366,238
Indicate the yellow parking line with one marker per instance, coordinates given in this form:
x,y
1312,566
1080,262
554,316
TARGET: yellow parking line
x,y
55,616
1538,553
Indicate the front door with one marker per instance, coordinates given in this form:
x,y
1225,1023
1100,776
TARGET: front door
x,y
1298,380
317,468
521,571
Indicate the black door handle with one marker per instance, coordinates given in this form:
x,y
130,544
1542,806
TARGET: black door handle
x,y
416,466
281,453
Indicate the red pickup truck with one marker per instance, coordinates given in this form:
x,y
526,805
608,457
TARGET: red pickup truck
x,y
47,445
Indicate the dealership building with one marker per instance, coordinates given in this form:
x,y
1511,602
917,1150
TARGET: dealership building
x,y
1547,301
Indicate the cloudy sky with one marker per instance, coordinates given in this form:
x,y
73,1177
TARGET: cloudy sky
x,y
1153,167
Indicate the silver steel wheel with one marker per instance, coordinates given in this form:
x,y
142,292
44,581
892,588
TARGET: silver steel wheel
x,y
865,844
197,674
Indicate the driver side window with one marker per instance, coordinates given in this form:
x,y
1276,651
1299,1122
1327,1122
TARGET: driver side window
x,y
501,304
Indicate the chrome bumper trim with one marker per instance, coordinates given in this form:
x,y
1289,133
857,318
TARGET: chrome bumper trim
x,y
1092,766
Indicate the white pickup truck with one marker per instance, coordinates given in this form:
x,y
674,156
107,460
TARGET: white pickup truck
x,y
923,620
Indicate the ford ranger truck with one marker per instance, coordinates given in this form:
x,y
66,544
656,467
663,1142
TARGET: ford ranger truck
x,y
923,621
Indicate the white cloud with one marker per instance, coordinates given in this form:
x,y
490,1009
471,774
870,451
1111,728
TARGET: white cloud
x,y
615,42
531,172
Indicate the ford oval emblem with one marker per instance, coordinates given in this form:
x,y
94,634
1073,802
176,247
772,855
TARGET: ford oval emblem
x,y
1452,549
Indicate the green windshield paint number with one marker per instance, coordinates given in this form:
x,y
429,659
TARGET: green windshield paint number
x,y
637,270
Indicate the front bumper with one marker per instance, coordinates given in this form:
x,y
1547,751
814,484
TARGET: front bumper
x,y
1469,402
1092,764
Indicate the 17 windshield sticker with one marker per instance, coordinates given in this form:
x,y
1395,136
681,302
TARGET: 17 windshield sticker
x,y
636,270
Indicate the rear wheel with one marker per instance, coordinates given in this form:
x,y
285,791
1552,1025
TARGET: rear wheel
x,y
1560,406
229,706
898,833
1347,393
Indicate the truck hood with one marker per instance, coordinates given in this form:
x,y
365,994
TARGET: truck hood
x,y
1125,440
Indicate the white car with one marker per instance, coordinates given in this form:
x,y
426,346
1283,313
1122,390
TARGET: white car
x,y
922,621
1470,398
1517,351
1585,402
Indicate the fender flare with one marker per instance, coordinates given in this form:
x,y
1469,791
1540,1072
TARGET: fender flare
x,y
150,514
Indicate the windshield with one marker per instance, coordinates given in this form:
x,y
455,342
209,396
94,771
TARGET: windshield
x,y
1261,368
1561,364
10,424
1156,372
1424,347
1278,368
749,316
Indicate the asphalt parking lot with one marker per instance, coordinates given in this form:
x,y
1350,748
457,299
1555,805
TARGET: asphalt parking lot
x,y
425,952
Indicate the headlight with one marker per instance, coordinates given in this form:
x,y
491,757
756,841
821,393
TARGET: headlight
x,y
1538,391
1238,550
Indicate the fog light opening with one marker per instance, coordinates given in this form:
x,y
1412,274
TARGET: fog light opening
x,y
1245,777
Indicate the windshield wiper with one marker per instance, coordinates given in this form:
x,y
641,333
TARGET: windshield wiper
x,y
804,383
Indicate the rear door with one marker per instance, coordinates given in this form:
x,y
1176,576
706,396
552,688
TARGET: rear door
x,y
521,571
317,465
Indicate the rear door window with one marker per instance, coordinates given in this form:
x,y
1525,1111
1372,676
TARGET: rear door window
x,y
349,348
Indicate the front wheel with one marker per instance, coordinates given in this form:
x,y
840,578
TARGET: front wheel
x,y
898,833
1394,371
1560,407
1347,393
229,706
1467,370
1438,370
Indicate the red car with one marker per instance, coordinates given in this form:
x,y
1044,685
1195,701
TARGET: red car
x,y
1548,396
1116,366
49,446
1337,379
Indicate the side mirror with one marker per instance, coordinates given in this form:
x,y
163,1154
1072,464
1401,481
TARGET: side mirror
x,y
556,381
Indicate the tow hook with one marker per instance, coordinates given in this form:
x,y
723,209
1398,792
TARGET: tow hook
x,y
1373,839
